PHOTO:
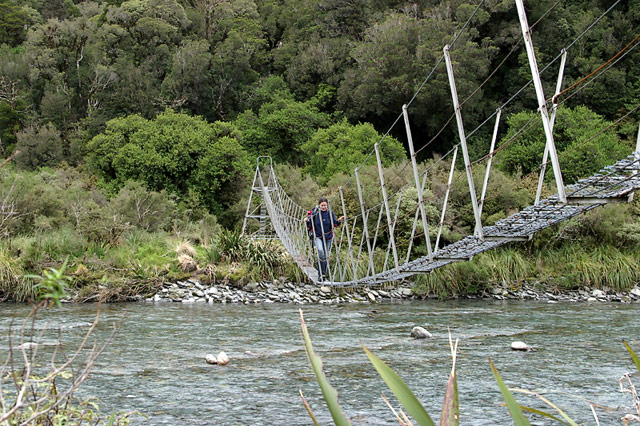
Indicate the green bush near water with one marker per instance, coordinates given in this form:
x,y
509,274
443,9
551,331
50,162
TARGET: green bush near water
x,y
123,246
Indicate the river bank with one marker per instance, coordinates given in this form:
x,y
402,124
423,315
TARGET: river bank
x,y
282,291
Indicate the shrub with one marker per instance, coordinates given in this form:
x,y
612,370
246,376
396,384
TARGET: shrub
x,y
173,152
580,153
144,209
39,146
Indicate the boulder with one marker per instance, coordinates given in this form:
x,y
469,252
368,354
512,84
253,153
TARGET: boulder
x,y
223,359
520,346
599,294
420,333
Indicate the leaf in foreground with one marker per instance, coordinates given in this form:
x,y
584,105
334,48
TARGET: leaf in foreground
x,y
514,408
634,357
308,407
400,390
450,408
328,391
568,420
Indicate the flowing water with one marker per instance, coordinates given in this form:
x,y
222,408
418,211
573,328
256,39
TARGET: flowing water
x,y
156,363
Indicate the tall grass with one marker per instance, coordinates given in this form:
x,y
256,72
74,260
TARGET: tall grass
x,y
13,285
505,266
566,267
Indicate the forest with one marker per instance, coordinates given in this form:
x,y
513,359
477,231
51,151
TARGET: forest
x,y
130,127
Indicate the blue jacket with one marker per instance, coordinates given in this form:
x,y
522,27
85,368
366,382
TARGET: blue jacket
x,y
321,221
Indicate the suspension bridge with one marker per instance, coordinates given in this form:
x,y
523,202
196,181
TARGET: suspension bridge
x,y
386,241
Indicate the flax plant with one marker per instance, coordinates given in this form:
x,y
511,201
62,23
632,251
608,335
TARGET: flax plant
x,y
450,415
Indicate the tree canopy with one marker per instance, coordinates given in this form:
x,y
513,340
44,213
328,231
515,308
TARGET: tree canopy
x,y
173,152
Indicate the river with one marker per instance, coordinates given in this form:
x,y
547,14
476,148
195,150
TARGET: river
x,y
156,363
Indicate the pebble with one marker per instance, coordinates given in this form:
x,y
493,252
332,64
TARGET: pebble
x,y
193,291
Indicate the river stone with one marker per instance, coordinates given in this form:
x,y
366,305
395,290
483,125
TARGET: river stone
x,y
406,292
372,297
211,359
598,294
520,346
635,291
325,289
420,333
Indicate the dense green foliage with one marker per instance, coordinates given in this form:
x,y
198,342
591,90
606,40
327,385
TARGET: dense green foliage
x,y
584,140
173,152
343,147
138,122
79,64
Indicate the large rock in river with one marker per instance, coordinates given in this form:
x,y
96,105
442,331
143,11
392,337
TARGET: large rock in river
x,y
420,333
520,346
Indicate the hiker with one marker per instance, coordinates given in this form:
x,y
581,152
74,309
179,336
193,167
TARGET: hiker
x,y
320,222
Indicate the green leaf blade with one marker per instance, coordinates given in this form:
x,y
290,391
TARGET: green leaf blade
x,y
514,408
401,391
329,393
634,357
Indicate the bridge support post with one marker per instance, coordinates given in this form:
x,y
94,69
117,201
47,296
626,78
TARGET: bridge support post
x,y
365,225
554,110
463,142
446,197
416,177
248,212
349,235
392,240
263,218
415,224
493,146
637,154
542,103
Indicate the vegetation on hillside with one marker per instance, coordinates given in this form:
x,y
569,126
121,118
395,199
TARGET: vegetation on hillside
x,y
135,126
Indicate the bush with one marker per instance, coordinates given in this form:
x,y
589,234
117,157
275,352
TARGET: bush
x,y
343,147
39,146
173,152
143,209
580,153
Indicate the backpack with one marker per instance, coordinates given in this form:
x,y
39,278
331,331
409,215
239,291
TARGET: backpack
x,y
310,215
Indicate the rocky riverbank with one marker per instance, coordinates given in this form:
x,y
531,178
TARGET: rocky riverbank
x,y
280,291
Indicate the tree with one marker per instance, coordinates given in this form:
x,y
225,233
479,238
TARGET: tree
x,y
14,22
582,139
342,147
280,128
173,152
12,113
39,146
189,81
393,60
238,57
